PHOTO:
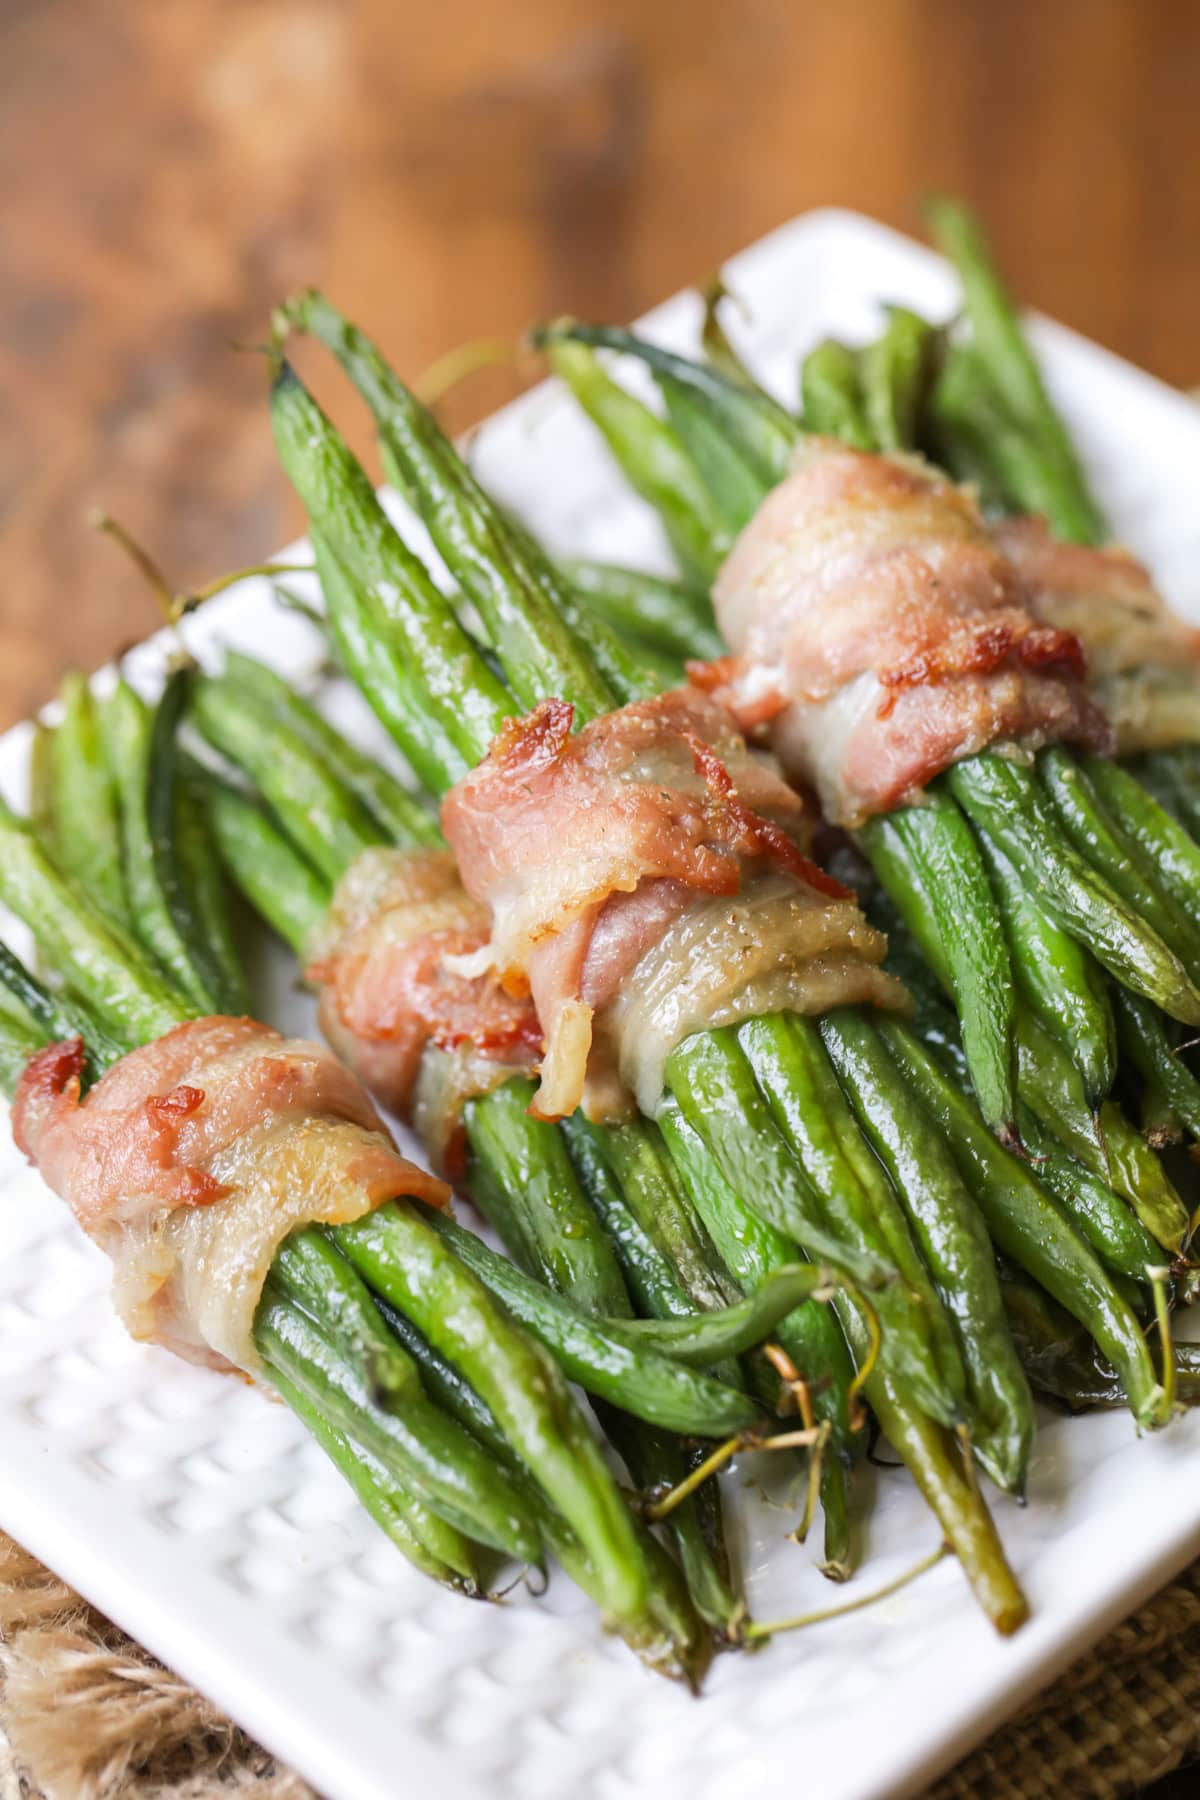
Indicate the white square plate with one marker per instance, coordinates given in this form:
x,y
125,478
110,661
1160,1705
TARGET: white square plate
x,y
201,1518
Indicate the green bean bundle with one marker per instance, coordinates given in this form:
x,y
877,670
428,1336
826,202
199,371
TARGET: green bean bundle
x,y
517,596
1011,882
315,1332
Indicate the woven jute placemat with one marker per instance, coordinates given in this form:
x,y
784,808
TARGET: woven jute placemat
x,y
86,1714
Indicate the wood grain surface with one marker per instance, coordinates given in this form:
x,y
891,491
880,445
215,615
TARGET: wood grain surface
x,y
456,168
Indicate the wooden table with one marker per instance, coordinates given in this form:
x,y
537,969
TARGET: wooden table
x,y
456,168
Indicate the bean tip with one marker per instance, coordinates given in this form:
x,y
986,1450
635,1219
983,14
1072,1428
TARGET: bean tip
x,y
1009,1135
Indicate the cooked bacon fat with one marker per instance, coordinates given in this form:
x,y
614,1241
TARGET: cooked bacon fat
x,y
598,853
388,961
1142,658
882,635
193,1158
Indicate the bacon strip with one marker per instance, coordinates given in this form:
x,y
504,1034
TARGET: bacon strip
x,y
980,649
880,633
192,1159
1142,658
592,851
758,836
1105,596
388,961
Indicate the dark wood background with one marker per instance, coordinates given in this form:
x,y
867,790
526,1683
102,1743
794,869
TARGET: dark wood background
x,y
453,168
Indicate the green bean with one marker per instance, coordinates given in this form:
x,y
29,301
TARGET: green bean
x,y
831,395
320,814
655,1286
896,371
339,551
451,1391
736,486
41,787
15,980
399,812
592,1281
206,881
1115,856
954,439
1103,1218
19,1040
363,636
129,725
628,670
753,1251
716,1091
433,1455
172,871
809,1336
931,1008
651,1386
928,1452
1162,1127
793,1070
403,1257
1056,977
651,458
279,883
1169,849
669,616
432,1545
424,466
952,1238
312,1272
663,671
683,1652
1105,1143
87,830
979,440
934,1460
1004,802
930,865
714,338
654,1459
528,1161
1145,1042
455,682
658,1464
500,1178
932,1457
1172,777
1054,1348
638,1159
482,551
130,996
709,1337
55,1016
762,433
1012,367
583,1459
1026,1225
1064,1365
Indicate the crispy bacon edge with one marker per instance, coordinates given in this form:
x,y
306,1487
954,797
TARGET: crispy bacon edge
x,y
56,1073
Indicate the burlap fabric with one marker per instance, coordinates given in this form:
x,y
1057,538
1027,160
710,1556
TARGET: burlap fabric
x,y
87,1715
